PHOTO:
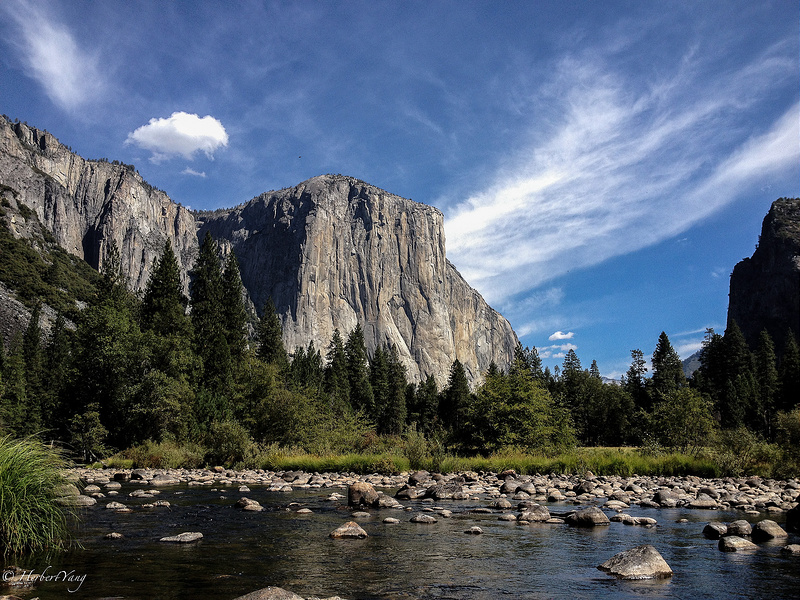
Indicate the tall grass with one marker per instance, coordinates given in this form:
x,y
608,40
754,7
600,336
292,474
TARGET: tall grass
x,y
30,518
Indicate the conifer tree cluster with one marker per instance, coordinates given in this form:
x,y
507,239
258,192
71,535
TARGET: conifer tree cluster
x,y
164,367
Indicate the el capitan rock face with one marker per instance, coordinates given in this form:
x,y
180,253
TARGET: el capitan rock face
x,y
331,252
765,289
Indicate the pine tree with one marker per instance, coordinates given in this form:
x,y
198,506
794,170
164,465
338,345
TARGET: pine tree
x,y
667,370
427,402
207,315
635,381
456,400
394,412
57,358
163,308
32,356
738,401
233,312
270,337
379,382
361,396
767,380
789,375
337,384
594,371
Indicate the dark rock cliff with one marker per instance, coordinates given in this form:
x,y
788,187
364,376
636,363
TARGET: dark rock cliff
x,y
765,289
331,252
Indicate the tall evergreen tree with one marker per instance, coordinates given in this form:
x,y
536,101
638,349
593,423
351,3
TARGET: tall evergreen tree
x,y
361,396
337,383
766,372
635,381
32,355
456,400
789,375
667,369
380,383
594,370
207,316
56,374
270,337
427,405
234,314
739,400
393,416
163,308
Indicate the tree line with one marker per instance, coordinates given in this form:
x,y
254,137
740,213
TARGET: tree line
x,y
163,367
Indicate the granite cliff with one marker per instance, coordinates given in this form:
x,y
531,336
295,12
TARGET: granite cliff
x,y
331,252
765,289
334,251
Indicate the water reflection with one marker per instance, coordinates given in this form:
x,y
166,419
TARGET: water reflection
x,y
242,552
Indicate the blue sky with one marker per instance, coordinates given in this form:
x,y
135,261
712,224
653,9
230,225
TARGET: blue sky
x,y
602,166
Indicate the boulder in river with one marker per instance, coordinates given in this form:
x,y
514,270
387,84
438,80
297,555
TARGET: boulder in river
x,y
768,530
588,517
740,528
535,514
714,531
350,530
183,538
270,593
642,562
734,543
793,519
360,493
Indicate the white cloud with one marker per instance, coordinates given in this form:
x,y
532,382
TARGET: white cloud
x,y
182,134
560,335
71,75
619,168
192,172
555,351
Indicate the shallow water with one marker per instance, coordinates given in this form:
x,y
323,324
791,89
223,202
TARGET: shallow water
x,y
242,552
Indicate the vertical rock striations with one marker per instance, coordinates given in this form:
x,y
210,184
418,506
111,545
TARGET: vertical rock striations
x,y
765,289
85,204
334,251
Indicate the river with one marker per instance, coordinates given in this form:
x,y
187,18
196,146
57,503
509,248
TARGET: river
x,y
245,551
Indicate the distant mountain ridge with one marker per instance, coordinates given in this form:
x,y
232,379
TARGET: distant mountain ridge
x,y
331,252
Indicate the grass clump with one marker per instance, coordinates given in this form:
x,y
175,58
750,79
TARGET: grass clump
x,y
30,518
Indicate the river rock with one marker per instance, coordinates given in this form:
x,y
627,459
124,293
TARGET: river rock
x,y
793,519
113,536
740,528
391,521
418,477
500,504
270,593
642,562
66,489
183,538
714,531
163,479
665,498
704,501
792,549
350,530
734,543
588,517
424,519
443,491
116,506
474,530
361,493
768,530
248,505
535,514
79,501
410,493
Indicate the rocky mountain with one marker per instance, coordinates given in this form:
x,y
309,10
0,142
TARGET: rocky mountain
x,y
331,252
765,289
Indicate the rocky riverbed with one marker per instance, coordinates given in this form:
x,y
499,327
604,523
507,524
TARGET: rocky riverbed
x,y
397,510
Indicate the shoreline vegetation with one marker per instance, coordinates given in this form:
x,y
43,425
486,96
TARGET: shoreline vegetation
x,y
413,453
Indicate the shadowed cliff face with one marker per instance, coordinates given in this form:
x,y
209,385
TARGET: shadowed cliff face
x,y
765,289
333,252
85,204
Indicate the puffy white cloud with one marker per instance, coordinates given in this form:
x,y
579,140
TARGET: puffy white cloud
x,y
193,173
70,75
560,335
182,134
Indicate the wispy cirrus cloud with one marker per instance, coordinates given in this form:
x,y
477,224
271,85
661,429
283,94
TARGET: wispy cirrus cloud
x,y
71,75
621,166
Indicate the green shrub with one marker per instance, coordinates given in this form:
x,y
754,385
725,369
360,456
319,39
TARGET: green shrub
x,y
30,517
162,455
